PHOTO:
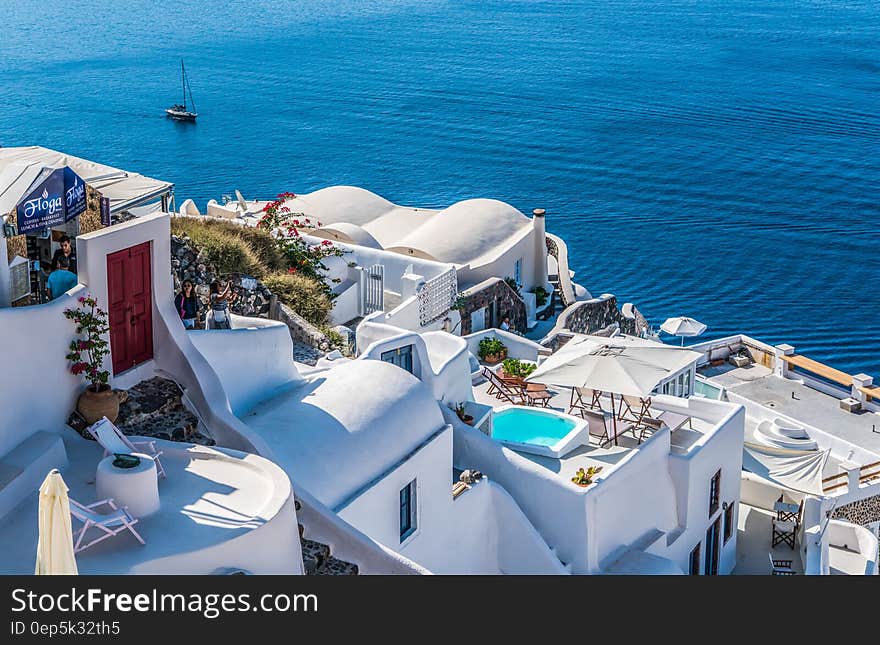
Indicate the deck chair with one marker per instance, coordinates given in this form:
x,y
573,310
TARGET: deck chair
x,y
638,410
537,398
781,567
113,441
502,390
584,398
110,524
598,426
784,531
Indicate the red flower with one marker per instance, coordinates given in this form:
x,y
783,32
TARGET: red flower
x,y
291,270
326,243
84,344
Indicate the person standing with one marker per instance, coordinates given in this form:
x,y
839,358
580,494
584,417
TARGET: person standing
x,y
61,279
68,251
220,300
187,305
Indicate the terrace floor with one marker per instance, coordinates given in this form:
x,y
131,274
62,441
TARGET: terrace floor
x,y
592,454
801,402
754,527
210,497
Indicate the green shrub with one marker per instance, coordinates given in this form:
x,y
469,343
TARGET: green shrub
x,y
540,296
516,367
232,248
491,345
336,339
304,295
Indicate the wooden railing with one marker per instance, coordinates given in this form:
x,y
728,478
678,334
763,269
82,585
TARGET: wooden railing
x,y
820,369
863,477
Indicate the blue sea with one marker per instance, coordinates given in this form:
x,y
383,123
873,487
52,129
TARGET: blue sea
x,y
712,158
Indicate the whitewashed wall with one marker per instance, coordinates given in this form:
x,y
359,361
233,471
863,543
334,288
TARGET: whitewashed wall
x,y
439,359
503,265
253,360
693,471
37,390
481,532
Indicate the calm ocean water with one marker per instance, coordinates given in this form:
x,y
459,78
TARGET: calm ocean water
x,y
712,158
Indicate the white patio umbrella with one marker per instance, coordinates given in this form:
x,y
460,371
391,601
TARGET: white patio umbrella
x,y
683,326
613,365
55,546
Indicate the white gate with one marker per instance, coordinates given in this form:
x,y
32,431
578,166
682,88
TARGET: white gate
x,y
374,289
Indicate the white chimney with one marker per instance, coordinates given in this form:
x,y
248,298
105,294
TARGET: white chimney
x,y
540,273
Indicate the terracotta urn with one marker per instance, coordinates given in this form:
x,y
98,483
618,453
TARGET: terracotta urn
x,y
94,404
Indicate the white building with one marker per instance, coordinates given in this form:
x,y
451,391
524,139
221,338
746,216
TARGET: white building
x,y
405,265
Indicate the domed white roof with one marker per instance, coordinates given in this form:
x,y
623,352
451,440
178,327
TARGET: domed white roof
x,y
341,204
350,425
466,231
345,232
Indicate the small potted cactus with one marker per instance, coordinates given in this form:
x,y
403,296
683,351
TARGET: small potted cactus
x,y
585,477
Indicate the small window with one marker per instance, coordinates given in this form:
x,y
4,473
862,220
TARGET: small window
x,y
695,561
407,510
714,493
402,357
517,271
728,522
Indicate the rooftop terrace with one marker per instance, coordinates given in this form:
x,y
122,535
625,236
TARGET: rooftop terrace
x,y
802,402
592,453
219,509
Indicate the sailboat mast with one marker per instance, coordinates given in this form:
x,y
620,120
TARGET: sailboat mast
x,y
183,82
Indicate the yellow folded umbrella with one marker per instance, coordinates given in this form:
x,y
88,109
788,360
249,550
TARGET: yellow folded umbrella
x,y
55,548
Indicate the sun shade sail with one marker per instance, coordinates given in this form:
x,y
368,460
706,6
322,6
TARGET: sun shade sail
x,y
799,470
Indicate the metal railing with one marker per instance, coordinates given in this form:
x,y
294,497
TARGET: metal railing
x,y
436,297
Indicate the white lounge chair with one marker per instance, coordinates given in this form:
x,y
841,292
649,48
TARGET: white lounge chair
x,y
110,524
114,442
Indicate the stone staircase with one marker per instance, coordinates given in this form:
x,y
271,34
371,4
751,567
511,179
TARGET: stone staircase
x,y
153,408
317,559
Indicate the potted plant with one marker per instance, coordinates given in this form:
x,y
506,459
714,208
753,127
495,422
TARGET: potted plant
x,y
492,350
86,355
515,368
585,477
459,410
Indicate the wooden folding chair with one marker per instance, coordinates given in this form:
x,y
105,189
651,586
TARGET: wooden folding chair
x,y
784,531
781,567
502,390
579,398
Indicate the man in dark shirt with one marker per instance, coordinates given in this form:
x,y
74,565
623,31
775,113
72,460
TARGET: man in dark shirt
x,y
67,250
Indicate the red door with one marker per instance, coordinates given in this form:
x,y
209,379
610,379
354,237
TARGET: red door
x,y
130,307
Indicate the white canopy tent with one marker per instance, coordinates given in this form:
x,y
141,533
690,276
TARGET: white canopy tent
x,y
20,166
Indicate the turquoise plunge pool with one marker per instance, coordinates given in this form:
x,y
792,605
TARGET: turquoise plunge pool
x,y
542,432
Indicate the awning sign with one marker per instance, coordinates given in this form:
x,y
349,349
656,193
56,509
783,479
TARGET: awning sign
x,y
56,198
74,195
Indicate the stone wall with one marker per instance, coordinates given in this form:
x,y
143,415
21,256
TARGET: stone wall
x,y
256,300
593,316
482,295
188,263
862,512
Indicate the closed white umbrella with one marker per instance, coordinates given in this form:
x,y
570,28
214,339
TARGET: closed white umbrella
x,y
683,326
55,546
